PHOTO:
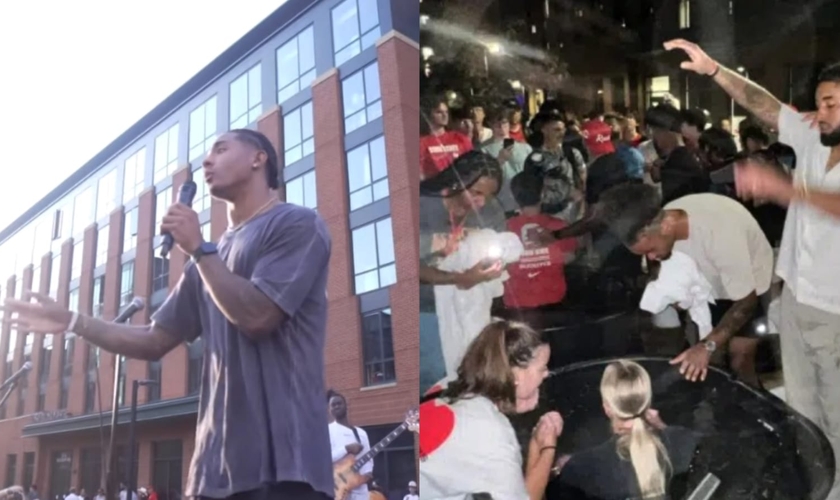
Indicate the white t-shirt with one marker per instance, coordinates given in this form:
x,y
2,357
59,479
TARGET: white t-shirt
x,y
478,454
807,257
411,497
727,243
340,437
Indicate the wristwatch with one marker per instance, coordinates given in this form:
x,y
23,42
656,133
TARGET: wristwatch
x,y
711,345
205,248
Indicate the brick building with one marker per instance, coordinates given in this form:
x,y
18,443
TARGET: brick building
x,y
334,85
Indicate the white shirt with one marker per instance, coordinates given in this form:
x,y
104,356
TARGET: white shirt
x,y
340,437
727,244
123,495
807,257
480,455
72,496
411,497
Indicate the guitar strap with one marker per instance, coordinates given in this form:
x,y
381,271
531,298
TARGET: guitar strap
x,y
356,433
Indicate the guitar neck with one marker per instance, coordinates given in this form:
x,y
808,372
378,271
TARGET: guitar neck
x,y
381,445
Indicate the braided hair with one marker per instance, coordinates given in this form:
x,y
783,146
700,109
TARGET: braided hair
x,y
261,142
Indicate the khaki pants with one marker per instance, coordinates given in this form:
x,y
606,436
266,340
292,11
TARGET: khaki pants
x,y
810,341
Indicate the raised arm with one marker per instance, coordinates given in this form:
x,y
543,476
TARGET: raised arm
x,y
754,98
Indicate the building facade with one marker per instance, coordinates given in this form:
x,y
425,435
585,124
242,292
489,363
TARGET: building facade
x,y
334,85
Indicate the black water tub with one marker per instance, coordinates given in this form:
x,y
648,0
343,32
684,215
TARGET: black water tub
x,y
751,440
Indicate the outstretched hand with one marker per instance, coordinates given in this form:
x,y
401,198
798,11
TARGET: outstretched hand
x,y
694,362
699,62
42,316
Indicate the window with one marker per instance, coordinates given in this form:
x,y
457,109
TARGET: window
x,y
378,348
166,153
295,65
355,26
205,232
73,300
301,190
367,173
195,351
202,128
130,234
126,283
163,201
83,211
153,390
91,365
246,98
298,138
102,240
685,14
121,386
98,299
76,262
658,87
361,96
55,275
135,175
28,468
66,368
373,256
167,468
160,272
44,370
106,195
60,221
11,470
202,200
36,277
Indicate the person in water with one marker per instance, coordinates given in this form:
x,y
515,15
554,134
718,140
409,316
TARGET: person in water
x,y
642,454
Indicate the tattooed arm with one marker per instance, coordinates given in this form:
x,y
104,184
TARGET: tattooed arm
x,y
734,319
751,96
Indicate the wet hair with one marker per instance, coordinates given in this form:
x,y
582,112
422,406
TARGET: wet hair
x,y
695,118
629,210
626,391
527,189
755,133
830,73
664,117
465,171
718,142
487,367
261,143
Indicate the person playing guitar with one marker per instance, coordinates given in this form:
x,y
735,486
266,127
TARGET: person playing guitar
x,y
348,440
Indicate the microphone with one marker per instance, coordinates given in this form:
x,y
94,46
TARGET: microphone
x,y
18,374
137,304
186,193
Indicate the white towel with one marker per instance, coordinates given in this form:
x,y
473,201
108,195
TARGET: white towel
x,y
680,283
462,314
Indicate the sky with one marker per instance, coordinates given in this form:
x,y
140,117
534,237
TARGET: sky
x,y
75,75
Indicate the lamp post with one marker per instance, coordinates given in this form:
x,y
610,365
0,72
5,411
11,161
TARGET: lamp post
x,y
132,438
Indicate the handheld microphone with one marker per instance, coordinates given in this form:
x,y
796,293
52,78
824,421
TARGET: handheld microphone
x,y
17,375
186,193
136,305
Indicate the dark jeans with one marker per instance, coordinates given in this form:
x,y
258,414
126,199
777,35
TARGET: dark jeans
x,y
286,490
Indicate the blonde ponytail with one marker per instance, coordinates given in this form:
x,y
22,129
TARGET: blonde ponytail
x,y
626,391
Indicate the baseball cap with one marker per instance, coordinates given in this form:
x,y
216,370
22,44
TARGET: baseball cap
x,y
598,137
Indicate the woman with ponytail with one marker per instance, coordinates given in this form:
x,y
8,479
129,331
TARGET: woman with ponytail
x,y
643,454
468,445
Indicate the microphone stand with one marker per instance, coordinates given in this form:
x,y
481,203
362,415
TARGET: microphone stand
x,y
111,485
11,383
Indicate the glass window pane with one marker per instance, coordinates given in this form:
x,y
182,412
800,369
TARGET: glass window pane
x,y
380,189
294,191
368,15
358,168
291,129
364,253
372,83
210,120
360,198
387,275
197,127
378,167
238,97
254,86
353,93
345,24
306,120
306,53
367,282
173,143
287,63
354,122
310,190
308,147
374,111
385,241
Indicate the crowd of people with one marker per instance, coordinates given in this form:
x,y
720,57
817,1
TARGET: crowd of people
x,y
701,216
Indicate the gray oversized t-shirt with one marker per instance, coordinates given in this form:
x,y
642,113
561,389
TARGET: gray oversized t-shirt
x,y
262,416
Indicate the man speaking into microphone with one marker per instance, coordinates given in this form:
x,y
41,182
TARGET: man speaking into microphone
x,y
259,300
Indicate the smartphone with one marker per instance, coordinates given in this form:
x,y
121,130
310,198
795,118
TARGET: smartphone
x,y
507,143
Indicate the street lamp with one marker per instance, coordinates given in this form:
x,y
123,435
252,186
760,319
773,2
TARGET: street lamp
x,y
132,439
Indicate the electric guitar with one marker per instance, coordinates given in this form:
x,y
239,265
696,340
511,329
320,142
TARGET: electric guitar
x,y
346,471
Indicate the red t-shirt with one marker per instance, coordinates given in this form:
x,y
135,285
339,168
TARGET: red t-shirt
x,y
438,151
518,135
537,278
